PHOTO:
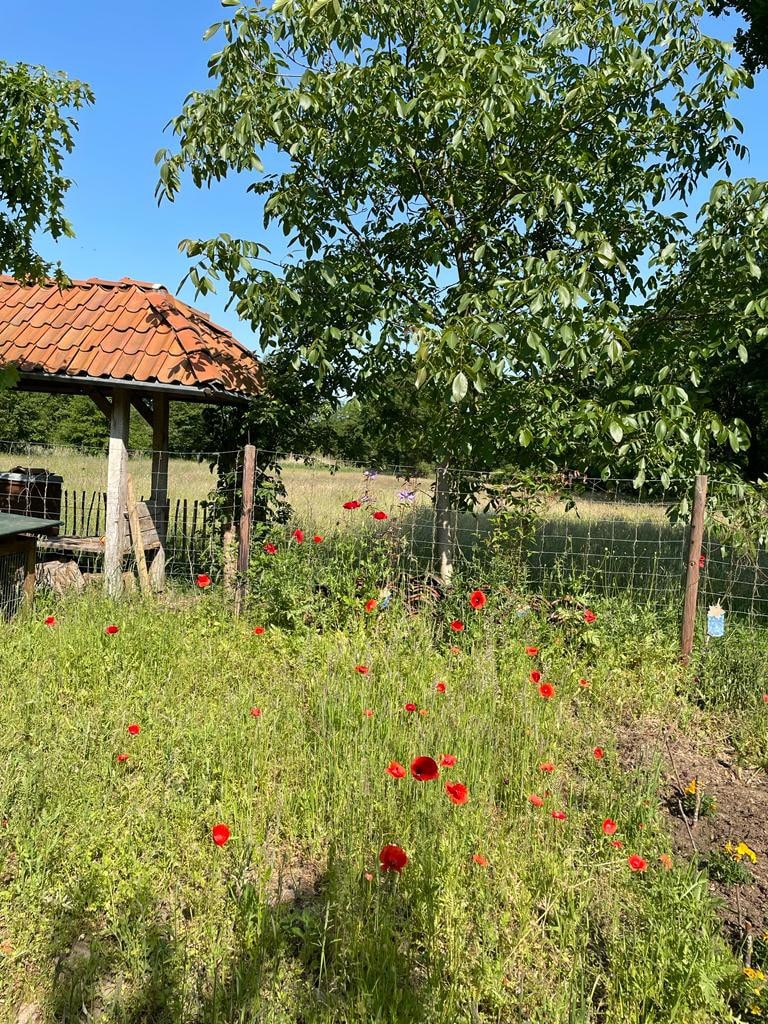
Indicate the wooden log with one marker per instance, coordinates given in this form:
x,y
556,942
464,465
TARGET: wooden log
x,y
246,524
158,502
693,569
445,540
137,541
29,573
117,473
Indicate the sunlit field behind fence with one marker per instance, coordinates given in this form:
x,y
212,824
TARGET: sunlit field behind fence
x,y
591,535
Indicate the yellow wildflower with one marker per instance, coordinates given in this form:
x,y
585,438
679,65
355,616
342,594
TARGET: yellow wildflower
x,y
742,850
691,787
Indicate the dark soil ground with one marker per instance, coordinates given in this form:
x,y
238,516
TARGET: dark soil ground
x,y
741,811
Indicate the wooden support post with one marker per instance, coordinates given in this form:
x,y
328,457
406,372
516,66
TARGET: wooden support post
x,y
30,551
117,479
246,523
158,503
137,541
102,403
693,568
444,532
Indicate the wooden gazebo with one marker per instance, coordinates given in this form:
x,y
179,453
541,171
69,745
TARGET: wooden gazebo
x,y
124,343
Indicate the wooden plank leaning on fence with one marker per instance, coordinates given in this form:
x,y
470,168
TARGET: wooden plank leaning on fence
x,y
137,540
693,569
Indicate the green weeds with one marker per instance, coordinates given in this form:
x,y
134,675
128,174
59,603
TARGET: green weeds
x,y
115,901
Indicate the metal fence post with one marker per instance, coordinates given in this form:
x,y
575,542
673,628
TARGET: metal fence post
x,y
693,568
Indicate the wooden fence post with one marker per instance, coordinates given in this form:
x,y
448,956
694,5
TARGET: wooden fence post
x,y
246,523
693,568
444,533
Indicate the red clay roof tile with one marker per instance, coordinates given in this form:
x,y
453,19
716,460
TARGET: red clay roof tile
x,y
121,330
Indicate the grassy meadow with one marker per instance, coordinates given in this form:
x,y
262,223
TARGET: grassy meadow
x,y
515,905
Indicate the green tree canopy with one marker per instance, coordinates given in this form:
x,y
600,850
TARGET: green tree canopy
x,y
36,131
752,41
479,183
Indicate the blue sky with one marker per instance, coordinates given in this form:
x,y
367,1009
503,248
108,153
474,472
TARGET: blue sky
x,y
141,59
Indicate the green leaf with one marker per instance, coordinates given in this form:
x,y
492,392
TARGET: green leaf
x,y
459,387
525,437
616,431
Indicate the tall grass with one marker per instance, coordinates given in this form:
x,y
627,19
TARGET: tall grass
x,y
116,902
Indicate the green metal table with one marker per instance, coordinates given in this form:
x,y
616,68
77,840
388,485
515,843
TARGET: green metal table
x,y
18,549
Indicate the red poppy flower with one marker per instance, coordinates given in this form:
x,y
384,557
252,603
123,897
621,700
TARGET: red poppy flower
x,y
589,617
50,620
440,687
396,770
298,536
547,690
454,649
270,549
362,669
255,712
134,729
531,651
547,766
765,698
559,815
258,630
535,676
381,516
220,834
203,580
317,539
477,599
368,876
368,713
111,630
583,683
423,711
370,605
424,769
609,827
666,861
598,753
409,706
702,561
457,626
478,858
617,843
536,800
351,504
392,858
121,758
448,760
637,863
457,793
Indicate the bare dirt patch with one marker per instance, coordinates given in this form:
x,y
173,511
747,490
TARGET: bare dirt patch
x,y
741,810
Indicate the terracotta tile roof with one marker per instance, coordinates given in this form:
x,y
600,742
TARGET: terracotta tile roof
x,y
124,330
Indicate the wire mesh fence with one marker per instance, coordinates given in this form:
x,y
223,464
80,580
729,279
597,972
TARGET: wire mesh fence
x,y
12,569
573,532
